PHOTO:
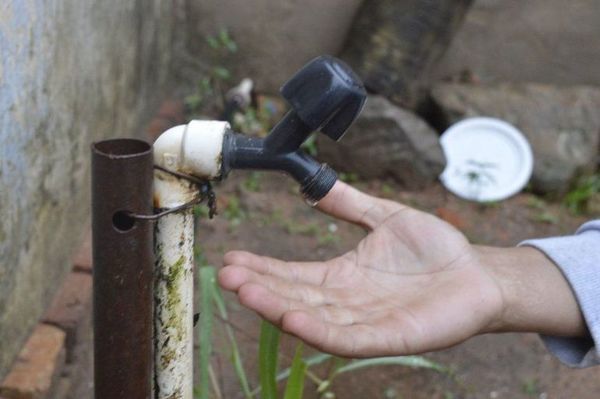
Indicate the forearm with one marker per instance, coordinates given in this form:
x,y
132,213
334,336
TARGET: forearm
x,y
536,295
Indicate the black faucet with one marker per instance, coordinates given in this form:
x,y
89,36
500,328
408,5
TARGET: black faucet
x,y
325,95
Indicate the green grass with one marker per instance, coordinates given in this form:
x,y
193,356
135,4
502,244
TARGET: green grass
x,y
252,182
295,384
577,200
207,282
531,388
268,351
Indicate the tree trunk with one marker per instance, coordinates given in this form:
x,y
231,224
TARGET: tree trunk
x,y
393,43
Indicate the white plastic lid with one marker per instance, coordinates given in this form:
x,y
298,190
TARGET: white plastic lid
x,y
487,159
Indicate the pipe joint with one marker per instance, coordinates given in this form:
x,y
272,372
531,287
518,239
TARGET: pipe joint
x,y
195,149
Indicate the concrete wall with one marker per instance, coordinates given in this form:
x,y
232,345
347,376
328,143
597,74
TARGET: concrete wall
x,y
275,37
71,71
545,41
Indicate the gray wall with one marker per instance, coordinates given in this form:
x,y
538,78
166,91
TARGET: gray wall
x,y
545,41
275,37
71,71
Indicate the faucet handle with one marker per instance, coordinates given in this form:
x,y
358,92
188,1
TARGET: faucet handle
x,y
326,95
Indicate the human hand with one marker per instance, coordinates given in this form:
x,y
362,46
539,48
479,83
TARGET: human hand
x,y
412,285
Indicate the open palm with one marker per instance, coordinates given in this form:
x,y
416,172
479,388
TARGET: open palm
x,y
412,285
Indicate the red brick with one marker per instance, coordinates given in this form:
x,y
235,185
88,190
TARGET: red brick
x,y
70,306
82,260
157,126
38,364
173,110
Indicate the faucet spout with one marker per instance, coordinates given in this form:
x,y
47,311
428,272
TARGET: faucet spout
x,y
243,152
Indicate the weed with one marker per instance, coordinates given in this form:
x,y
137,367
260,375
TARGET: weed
x,y
536,203
545,217
328,239
490,204
542,215
256,122
211,84
479,174
234,213
201,211
387,190
252,182
310,145
307,229
530,387
325,235
578,199
348,177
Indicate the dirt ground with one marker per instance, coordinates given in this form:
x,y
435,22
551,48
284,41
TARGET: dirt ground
x,y
263,213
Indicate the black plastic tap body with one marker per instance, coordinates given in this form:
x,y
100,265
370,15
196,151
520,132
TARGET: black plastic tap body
x,y
325,95
280,152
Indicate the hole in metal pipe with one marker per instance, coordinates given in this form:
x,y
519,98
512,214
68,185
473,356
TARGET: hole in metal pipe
x,y
123,222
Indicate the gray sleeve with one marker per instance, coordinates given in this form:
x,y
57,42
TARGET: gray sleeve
x,y
578,257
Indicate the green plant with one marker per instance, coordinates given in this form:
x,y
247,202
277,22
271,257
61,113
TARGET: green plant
x,y
542,214
233,212
348,177
295,384
215,75
387,190
479,173
268,354
252,182
578,199
535,202
310,145
207,278
530,387
545,217
325,235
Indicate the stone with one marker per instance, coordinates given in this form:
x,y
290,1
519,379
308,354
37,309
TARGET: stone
x,y
70,306
543,41
37,365
82,261
387,141
562,124
394,44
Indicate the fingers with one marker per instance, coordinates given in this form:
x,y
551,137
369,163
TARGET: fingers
x,y
273,306
349,204
299,272
350,340
335,329
232,278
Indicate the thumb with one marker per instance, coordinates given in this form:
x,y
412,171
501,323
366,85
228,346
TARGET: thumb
x,y
347,203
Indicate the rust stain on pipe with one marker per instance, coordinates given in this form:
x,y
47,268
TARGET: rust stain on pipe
x,y
122,173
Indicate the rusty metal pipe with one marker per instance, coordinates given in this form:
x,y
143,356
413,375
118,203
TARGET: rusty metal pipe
x,y
122,183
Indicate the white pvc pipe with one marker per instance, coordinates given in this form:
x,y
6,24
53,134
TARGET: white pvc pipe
x,y
194,149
